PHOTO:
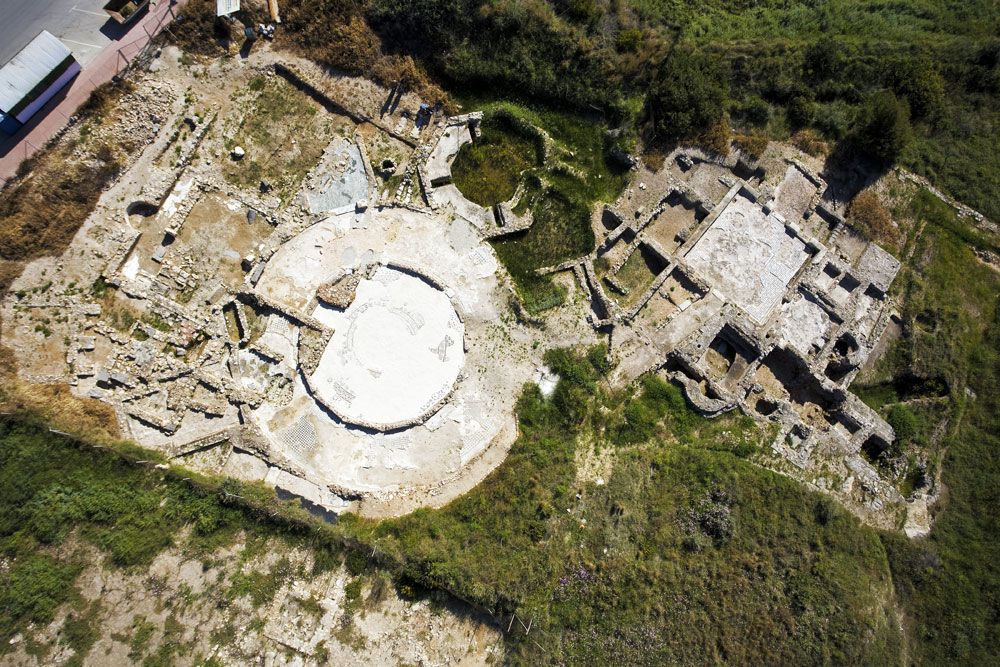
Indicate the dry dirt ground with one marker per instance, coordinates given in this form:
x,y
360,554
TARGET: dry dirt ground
x,y
256,602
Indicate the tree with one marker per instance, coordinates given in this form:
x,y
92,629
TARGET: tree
x,y
884,130
824,60
688,97
918,80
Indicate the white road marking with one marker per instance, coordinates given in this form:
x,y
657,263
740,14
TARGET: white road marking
x,y
73,41
84,11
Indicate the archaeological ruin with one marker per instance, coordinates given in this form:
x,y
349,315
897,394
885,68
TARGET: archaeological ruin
x,y
344,333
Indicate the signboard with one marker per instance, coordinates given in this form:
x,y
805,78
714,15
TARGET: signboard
x,y
226,7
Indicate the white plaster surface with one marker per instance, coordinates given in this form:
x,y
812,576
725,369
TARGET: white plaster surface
x,y
476,417
395,352
802,325
748,257
439,162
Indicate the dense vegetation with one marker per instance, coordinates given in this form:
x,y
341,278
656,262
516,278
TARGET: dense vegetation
x,y
773,67
685,553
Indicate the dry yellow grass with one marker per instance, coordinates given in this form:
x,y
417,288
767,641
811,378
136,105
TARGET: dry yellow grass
x,y
716,138
87,418
872,219
41,212
751,145
54,193
810,142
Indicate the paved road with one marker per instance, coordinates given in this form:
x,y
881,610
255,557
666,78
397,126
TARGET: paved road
x,y
81,24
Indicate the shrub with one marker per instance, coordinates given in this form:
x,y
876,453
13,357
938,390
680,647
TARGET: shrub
x,y
688,97
918,80
583,11
824,60
716,138
801,110
833,120
884,130
755,111
904,422
867,215
808,141
751,145
629,40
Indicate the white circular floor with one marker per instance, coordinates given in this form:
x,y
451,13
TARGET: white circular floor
x,y
395,353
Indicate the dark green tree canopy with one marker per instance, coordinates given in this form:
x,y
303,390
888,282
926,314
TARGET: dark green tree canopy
x,y
884,129
687,97
824,60
918,80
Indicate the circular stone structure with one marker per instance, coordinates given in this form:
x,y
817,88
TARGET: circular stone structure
x,y
395,354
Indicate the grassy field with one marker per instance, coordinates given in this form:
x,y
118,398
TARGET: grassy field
x,y
43,208
636,275
561,231
489,170
948,582
283,135
622,526
678,550
736,21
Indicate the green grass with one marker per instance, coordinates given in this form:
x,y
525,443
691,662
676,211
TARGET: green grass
x,y
636,276
489,170
560,198
142,634
749,568
561,231
280,116
687,552
952,330
736,21
261,587
903,387
80,631
32,589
